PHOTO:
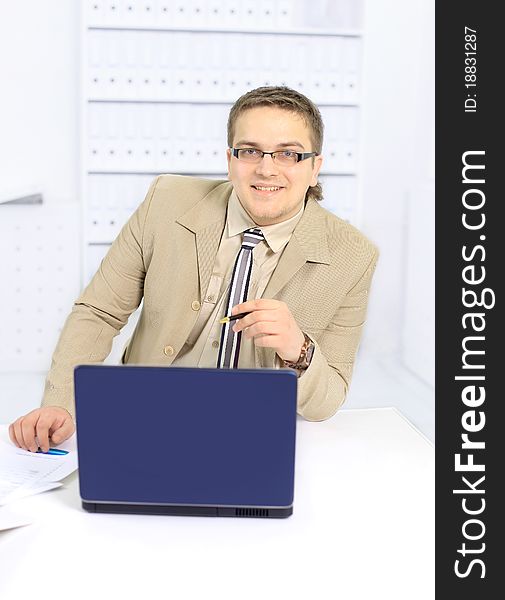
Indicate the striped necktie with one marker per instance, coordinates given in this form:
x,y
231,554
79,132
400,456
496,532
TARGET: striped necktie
x,y
229,347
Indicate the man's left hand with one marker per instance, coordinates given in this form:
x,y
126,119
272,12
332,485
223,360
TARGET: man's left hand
x,y
272,325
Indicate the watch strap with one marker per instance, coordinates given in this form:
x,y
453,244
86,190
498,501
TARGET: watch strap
x,y
305,357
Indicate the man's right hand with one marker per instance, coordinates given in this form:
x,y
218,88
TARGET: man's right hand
x,y
49,424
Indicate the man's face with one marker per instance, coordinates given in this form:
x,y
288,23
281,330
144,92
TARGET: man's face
x,y
270,129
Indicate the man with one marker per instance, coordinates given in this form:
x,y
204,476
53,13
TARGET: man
x,y
191,241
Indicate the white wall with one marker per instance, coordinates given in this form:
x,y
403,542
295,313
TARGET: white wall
x,y
397,182
418,335
39,68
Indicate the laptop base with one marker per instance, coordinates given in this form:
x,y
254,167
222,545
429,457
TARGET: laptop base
x,y
188,511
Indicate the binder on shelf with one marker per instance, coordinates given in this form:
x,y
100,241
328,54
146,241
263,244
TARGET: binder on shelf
x,y
351,49
333,51
349,121
196,12
164,13
285,14
94,12
212,15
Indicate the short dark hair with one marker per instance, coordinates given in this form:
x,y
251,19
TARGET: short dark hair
x,y
290,100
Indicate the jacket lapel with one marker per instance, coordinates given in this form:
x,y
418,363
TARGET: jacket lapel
x,y
307,244
206,220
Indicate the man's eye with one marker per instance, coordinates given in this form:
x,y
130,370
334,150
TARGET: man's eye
x,y
289,153
250,151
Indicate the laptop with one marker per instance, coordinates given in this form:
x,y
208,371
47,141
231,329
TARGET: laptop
x,y
186,441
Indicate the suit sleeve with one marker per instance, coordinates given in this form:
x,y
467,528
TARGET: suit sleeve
x,y
101,310
323,387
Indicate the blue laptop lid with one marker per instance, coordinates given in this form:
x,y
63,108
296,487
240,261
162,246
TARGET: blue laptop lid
x,y
184,436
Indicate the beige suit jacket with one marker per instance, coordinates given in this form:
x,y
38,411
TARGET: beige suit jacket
x,y
165,255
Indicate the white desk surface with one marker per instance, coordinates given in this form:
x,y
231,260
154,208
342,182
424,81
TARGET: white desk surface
x,y
362,529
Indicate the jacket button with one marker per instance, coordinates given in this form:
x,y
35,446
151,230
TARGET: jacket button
x,y
168,350
195,305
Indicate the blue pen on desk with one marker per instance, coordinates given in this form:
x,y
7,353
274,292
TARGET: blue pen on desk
x,y
54,451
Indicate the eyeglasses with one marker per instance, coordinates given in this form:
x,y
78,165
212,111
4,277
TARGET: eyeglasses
x,y
285,158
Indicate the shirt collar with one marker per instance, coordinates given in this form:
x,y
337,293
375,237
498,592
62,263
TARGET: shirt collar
x,y
276,236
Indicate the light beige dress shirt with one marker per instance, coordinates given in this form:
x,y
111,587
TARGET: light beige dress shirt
x,y
202,346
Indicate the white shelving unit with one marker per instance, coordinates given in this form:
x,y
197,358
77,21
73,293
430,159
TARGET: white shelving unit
x,y
159,79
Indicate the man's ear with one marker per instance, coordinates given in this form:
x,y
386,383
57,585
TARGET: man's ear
x,y
318,163
228,160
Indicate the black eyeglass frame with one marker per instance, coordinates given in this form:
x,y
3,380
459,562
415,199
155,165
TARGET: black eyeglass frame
x,y
299,155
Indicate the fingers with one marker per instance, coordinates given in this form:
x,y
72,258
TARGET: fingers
x,y
42,430
271,325
13,436
262,328
254,317
64,432
258,304
38,426
23,432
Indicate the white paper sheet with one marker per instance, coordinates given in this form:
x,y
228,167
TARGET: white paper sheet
x,y
24,473
10,519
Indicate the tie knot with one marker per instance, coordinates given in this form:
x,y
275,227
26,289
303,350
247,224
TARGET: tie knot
x,y
252,237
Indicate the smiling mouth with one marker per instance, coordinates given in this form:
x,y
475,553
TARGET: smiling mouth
x,y
271,188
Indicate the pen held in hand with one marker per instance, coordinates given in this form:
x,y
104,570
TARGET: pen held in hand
x,y
233,317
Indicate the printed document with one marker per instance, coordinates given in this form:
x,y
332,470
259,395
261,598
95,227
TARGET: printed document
x,y
24,473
